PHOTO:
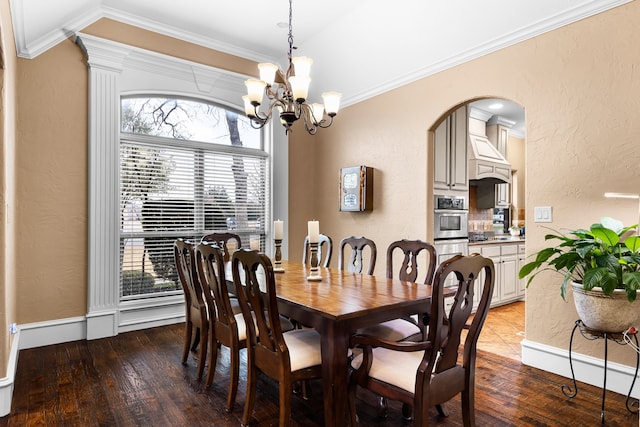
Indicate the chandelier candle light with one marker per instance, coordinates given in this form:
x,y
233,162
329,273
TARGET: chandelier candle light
x,y
278,232
288,95
314,237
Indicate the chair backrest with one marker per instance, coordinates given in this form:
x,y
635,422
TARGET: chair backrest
x,y
222,240
183,252
474,274
211,272
409,269
255,285
325,249
356,262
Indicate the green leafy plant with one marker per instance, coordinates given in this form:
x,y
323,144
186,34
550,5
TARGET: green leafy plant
x,y
606,256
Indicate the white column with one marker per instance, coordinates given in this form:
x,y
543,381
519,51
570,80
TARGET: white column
x,y
105,66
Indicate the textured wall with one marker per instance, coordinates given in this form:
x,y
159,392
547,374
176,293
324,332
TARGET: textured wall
x,y
8,287
579,86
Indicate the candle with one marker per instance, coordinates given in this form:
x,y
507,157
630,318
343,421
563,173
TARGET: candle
x,y
314,231
278,229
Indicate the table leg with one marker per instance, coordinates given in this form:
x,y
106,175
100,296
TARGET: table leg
x,y
335,345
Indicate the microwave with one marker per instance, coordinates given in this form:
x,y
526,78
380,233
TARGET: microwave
x,y
450,217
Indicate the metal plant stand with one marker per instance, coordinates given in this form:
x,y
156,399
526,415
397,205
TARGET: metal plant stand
x,y
618,338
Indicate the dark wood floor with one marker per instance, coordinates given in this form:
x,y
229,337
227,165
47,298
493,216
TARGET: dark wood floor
x,y
136,379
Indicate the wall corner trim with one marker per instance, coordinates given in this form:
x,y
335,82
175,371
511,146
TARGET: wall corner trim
x,y
6,383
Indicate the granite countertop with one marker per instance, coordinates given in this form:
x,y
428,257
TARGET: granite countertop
x,y
503,240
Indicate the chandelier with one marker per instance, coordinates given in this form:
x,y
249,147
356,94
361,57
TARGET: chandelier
x,y
288,94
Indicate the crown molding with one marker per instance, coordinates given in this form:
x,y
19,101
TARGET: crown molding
x,y
502,121
476,113
30,50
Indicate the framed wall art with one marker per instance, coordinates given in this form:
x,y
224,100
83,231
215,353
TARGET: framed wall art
x,y
356,189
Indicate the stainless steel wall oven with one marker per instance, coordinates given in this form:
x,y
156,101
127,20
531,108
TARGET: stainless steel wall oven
x,y
451,216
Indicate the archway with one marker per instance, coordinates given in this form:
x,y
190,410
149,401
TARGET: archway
x,y
492,207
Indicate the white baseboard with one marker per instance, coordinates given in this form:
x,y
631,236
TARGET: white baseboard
x,y
6,383
587,369
57,331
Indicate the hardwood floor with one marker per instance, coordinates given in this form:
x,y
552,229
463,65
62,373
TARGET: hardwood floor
x,y
136,379
503,330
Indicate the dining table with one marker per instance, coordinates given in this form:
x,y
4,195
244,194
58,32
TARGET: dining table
x,y
337,306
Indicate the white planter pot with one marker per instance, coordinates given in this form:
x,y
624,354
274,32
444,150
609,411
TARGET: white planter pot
x,y
613,313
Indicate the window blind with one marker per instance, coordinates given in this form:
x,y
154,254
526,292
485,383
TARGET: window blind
x,y
172,189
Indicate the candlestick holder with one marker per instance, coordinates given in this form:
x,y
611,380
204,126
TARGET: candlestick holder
x,y
277,267
315,270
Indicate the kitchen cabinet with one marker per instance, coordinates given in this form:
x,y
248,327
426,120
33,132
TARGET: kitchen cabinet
x,y
505,257
492,252
522,283
498,134
509,273
450,153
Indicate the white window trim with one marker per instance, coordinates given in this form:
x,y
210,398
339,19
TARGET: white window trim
x,y
116,69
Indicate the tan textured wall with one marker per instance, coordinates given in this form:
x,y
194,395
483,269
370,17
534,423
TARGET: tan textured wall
x,y
123,33
7,183
305,179
52,185
579,86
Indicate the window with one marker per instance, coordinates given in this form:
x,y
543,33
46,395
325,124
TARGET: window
x,y
187,168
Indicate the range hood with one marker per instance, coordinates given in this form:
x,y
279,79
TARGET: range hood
x,y
486,164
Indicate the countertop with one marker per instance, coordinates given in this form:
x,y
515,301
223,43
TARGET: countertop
x,y
504,240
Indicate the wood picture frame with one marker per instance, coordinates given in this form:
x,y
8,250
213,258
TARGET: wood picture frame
x,y
356,189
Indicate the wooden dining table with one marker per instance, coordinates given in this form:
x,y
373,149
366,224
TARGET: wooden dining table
x,y
337,306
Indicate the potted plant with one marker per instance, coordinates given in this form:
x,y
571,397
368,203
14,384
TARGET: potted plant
x,y
603,266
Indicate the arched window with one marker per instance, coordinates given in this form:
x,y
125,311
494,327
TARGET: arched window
x,y
164,162
187,168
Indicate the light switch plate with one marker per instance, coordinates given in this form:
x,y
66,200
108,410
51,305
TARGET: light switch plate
x,y
542,214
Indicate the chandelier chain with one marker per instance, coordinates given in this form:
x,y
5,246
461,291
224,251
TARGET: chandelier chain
x,y
290,54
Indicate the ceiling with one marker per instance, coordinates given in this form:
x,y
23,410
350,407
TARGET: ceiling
x,y
505,109
361,48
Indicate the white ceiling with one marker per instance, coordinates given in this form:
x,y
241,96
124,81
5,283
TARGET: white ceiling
x,y
360,47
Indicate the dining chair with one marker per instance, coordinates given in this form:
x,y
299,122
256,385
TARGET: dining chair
x,y
325,249
286,357
406,327
196,316
222,240
429,373
358,246
226,326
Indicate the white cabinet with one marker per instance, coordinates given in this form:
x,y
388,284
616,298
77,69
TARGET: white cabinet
x,y
450,153
508,274
522,283
499,135
505,257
